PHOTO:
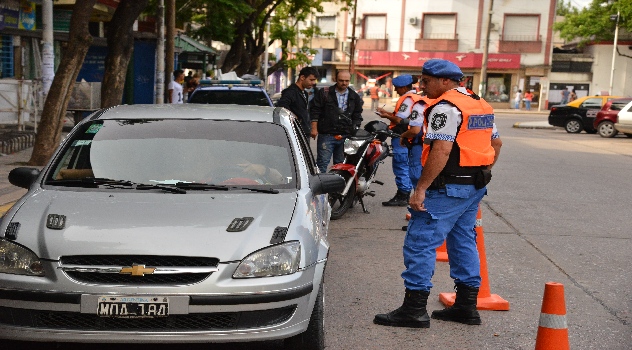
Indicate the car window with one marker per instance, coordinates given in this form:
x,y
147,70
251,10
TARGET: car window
x,y
171,151
592,103
305,149
231,96
618,105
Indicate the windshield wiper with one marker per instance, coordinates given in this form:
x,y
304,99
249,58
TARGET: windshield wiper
x,y
203,187
112,183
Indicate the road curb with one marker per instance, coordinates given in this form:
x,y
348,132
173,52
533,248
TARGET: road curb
x,y
533,125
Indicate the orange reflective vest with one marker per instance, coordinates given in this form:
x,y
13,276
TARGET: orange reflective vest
x,y
373,92
416,98
473,140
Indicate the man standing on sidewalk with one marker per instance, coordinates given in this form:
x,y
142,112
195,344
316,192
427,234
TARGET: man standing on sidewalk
x,y
296,99
460,147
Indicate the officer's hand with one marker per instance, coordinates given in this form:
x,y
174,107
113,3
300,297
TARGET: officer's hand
x,y
314,133
381,112
416,201
402,142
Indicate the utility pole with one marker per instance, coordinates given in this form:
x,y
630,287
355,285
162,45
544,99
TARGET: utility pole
x,y
482,86
48,51
353,39
170,40
614,52
266,56
160,58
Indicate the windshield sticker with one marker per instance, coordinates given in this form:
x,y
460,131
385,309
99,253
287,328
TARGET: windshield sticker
x,y
94,128
81,143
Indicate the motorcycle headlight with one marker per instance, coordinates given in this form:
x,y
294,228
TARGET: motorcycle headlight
x,y
352,146
278,260
17,260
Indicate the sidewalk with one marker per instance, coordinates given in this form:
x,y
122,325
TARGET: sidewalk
x,y
8,192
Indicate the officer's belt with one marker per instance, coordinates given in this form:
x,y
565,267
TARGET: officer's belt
x,y
441,180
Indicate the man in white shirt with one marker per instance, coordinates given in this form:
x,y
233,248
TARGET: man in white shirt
x,y
175,87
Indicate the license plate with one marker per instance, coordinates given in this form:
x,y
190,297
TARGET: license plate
x,y
133,307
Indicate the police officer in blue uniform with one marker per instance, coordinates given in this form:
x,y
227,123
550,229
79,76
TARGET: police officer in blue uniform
x,y
403,110
460,147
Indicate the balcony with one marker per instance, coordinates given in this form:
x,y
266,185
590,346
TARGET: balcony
x,y
372,44
520,44
438,42
324,43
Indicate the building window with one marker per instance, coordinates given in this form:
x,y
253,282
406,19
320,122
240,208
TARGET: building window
x,y
327,25
521,28
497,85
439,26
374,27
6,56
571,66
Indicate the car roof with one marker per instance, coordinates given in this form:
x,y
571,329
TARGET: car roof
x,y
579,101
190,111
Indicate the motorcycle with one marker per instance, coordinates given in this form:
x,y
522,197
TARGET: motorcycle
x,y
364,152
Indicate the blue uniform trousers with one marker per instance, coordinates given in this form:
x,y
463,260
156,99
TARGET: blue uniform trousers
x,y
451,216
400,166
414,164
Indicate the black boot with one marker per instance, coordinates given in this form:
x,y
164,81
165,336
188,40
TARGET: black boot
x,y
400,200
412,313
464,308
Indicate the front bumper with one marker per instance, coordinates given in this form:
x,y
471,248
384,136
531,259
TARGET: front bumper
x,y
256,309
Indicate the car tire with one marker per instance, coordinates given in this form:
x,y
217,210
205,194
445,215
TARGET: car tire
x,y
340,204
628,135
606,129
573,126
314,337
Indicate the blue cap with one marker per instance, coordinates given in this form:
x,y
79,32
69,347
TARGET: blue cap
x,y
403,80
442,69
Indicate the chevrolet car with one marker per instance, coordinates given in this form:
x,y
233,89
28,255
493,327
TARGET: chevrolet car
x,y
170,223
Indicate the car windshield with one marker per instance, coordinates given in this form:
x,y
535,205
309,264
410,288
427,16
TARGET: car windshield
x,y
185,153
231,96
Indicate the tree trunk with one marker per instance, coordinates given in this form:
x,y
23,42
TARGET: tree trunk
x,y
49,130
120,49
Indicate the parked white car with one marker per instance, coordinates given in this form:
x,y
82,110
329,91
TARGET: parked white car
x,y
170,223
624,124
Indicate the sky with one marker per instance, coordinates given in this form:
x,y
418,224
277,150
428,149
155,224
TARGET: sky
x,y
580,3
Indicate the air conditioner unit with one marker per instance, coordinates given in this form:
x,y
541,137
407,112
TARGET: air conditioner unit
x,y
412,21
358,21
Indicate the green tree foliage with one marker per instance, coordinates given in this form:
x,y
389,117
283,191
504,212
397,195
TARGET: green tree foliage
x,y
594,22
242,25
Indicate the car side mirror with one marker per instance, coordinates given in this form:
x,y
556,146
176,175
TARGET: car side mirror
x,y
326,183
23,177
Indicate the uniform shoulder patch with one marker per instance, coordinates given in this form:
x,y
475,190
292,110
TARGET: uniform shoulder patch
x,y
403,107
438,121
414,115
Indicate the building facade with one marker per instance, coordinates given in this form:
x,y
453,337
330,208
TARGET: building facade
x,y
397,36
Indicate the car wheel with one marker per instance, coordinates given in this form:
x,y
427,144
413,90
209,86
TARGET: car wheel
x,y
606,129
339,203
573,126
314,337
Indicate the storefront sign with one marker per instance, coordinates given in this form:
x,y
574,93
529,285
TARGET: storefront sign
x,y
9,14
27,16
61,20
417,59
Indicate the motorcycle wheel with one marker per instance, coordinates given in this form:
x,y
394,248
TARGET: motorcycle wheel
x,y
339,203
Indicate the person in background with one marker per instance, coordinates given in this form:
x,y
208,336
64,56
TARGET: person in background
x,y
573,96
460,146
336,112
403,109
528,98
175,90
565,95
296,99
517,99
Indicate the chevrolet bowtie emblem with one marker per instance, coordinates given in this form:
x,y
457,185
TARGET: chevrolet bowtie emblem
x,y
138,270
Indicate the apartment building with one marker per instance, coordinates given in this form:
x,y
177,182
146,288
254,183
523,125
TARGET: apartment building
x,y
396,37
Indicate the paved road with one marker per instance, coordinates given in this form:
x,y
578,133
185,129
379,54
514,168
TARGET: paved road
x,y
557,210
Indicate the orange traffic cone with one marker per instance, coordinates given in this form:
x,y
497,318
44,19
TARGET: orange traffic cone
x,y
442,253
552,329
485,300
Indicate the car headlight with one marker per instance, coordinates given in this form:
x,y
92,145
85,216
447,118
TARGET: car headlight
x,y
17,260
352,146
278,260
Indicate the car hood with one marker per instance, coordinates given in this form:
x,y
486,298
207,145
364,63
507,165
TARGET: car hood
x,y
152,223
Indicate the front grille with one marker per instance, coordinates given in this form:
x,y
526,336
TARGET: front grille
x,y
129,260
88,322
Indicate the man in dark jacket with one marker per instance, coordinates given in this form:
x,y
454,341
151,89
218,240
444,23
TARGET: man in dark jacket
x,y
335,112
295,97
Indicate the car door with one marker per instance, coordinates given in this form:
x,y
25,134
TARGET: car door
x,y
588,110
